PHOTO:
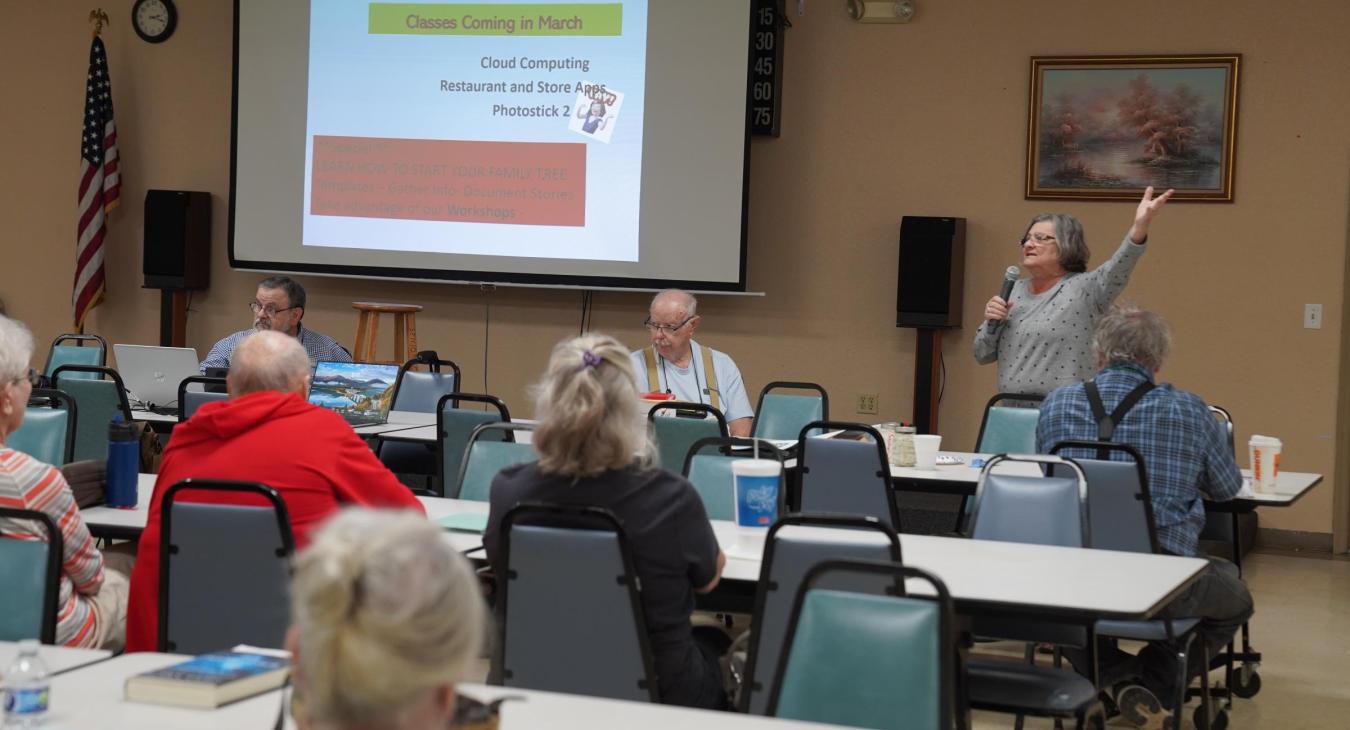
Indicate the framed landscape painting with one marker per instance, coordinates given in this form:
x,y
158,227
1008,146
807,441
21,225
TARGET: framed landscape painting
x,y
1105,127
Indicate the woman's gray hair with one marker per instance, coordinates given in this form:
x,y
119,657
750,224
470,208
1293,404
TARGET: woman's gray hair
x,y
590,418
1127,333
385,611
16,348
1073,250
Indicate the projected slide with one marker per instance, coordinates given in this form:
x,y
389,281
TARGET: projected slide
x,y
491,128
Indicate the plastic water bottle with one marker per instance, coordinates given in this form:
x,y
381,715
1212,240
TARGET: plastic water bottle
x,y
124,463
27,688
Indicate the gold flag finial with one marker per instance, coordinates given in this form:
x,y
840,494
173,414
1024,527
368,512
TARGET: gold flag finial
x,y
99,19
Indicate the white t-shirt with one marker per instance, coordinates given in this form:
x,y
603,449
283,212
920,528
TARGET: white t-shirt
x,y
691,383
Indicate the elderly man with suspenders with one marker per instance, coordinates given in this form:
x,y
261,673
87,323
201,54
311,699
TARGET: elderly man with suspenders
x,y
1187,459
676,364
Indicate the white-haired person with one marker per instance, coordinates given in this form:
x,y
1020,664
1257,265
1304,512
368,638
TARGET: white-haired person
x,y
593,450
91,610
387,620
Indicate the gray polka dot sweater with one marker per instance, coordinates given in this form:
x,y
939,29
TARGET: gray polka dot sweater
x,y
1046,341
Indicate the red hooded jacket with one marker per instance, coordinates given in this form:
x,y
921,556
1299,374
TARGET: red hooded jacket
x,y
314,460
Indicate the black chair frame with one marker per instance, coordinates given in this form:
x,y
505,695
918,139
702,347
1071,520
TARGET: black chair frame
x,y
52,582
727,445
847,427
454,399
509,427
107,373
804,519
53,398
703,409
948,676
167,549
576,517
207,382
794,385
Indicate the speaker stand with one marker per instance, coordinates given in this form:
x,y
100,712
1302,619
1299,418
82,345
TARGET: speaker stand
x,y
172,318
927,378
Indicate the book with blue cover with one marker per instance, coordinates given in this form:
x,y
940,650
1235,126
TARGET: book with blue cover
x,y
210,680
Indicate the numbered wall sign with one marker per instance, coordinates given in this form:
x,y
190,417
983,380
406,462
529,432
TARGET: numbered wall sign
x,y
766,66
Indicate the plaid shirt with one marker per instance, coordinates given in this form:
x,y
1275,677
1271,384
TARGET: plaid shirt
x,y
1185,450
318,346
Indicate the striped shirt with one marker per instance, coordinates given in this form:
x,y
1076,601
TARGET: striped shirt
x,y
1186,454
26,483
317,346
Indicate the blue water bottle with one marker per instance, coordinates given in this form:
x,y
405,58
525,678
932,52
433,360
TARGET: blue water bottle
x,y
124,459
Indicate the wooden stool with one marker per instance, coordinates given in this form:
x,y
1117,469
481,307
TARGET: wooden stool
x,y
368,331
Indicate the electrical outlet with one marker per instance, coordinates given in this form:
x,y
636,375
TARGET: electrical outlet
x,y
867,403
1312,316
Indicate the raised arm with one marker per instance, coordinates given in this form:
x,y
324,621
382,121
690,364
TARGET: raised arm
x,y
1143,214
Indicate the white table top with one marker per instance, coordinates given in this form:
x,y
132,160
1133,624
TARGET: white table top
x,y
427,434
91,697
398,421
1289,486
144,415
57,658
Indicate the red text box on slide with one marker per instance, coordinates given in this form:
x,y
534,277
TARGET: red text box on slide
x,y
525,183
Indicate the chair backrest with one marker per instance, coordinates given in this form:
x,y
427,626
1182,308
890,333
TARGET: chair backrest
x,y
48,429
77,353
1119,506
486,455
780,416
675,433
865,660
846,476
1009,429
224,570
1039,510
190,398
455,424
421,391
571,605
791,549
98,400
1226,422
30,571
708,467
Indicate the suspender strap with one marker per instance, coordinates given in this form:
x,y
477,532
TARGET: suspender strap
x,y
1106,425
711,376
649,354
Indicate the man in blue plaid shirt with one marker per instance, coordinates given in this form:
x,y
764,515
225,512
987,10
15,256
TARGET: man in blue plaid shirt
x,y
279,305
1187,459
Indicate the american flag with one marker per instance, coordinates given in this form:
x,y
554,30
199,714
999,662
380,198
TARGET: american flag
x,y
100,184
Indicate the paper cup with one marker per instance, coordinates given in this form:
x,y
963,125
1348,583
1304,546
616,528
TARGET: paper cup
x,y
926,451
1264,452
757,482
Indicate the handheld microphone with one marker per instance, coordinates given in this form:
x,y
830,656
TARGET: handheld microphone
x,y
1009,278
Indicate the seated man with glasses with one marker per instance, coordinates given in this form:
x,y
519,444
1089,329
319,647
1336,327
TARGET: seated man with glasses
x,y
676,364
279,306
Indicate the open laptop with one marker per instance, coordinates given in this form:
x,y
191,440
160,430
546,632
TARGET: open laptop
x,y
360,392
151,374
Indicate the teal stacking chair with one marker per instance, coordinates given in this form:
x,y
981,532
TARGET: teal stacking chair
x,y
456,419
196,391
870,661
30,571
485,455
1009,429
845,475
676,426
418,391
48,429
98,399
708,467
780,416
72,349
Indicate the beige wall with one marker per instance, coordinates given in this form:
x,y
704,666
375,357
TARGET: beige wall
x,y
879,122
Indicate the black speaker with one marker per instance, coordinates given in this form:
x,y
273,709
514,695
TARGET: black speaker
x,y
177,253
932,272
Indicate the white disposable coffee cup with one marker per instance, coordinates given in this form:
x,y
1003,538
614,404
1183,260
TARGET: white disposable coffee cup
x,y
1264,452
926,450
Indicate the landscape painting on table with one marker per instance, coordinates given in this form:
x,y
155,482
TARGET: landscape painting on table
x,y
1106,127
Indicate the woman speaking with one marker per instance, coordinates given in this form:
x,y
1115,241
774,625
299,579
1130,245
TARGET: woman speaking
x,y
1041,335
